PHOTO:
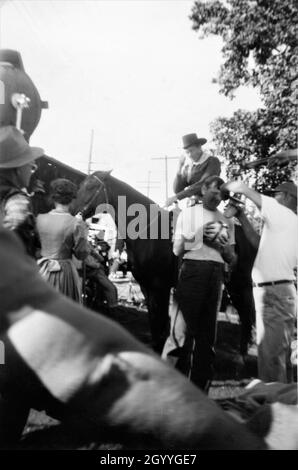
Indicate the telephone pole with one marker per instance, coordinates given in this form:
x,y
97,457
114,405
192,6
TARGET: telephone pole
x,y
90,152
166,158
148,184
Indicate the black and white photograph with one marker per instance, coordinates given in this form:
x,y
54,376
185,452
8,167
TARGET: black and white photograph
x,y
148,228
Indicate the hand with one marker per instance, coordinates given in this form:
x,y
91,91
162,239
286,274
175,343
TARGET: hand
x,y
210,230
79,216
189,237
232,210
222,238
170,201
216,232
236,186
181,162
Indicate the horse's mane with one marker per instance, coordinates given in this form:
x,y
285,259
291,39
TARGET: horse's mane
x,y
124,188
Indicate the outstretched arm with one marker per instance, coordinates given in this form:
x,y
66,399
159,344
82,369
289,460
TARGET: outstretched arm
x,y
188,192
237,186
213,168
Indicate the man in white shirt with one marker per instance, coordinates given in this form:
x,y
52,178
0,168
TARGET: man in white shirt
x,y
205,239
273,278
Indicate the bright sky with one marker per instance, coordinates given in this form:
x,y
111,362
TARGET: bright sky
x,y
132,70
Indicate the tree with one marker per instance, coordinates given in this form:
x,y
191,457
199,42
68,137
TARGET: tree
x,y
260,49
240,138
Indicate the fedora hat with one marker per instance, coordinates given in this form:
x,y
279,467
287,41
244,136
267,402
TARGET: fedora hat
x,y
15,150
192,139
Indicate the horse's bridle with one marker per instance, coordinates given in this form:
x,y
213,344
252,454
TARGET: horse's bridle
x,y
97,192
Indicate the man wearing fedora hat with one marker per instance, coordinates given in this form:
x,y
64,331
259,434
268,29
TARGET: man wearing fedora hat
x,y
200,164
273,278
16,166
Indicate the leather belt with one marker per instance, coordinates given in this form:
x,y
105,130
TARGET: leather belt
x,y
272,283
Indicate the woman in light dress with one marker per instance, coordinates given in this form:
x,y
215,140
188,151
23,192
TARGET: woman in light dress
x,y
62,236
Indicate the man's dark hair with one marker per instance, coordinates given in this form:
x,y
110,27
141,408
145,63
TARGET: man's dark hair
x,y
211,179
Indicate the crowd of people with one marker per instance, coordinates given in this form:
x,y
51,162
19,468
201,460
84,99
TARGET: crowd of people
x,y
204,242
204,239
55,239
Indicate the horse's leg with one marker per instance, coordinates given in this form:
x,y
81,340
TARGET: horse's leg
x,y
158,304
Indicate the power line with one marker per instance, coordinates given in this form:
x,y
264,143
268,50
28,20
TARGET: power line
x,y
166,158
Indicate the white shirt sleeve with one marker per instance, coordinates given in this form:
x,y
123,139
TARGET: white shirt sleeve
x,y
178,228
273,213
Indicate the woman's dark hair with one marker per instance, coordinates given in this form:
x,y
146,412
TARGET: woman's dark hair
x,y
63,191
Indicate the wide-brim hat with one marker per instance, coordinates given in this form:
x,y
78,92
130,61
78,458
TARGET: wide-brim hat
x,y
15,150
288,187
192,139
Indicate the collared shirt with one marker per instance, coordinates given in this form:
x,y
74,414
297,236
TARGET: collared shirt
x,y
277,253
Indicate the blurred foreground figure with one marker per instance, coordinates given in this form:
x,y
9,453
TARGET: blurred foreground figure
x,y
17,163
64,359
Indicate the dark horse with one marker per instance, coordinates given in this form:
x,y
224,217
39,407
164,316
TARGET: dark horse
x,y
146,229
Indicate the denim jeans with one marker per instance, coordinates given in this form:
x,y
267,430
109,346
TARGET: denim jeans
x,y
275,322
199,294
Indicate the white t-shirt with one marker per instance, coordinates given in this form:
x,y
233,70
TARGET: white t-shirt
x,y
190,223
277,253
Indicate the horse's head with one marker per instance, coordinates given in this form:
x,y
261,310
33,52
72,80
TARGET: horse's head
x,y
92,192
